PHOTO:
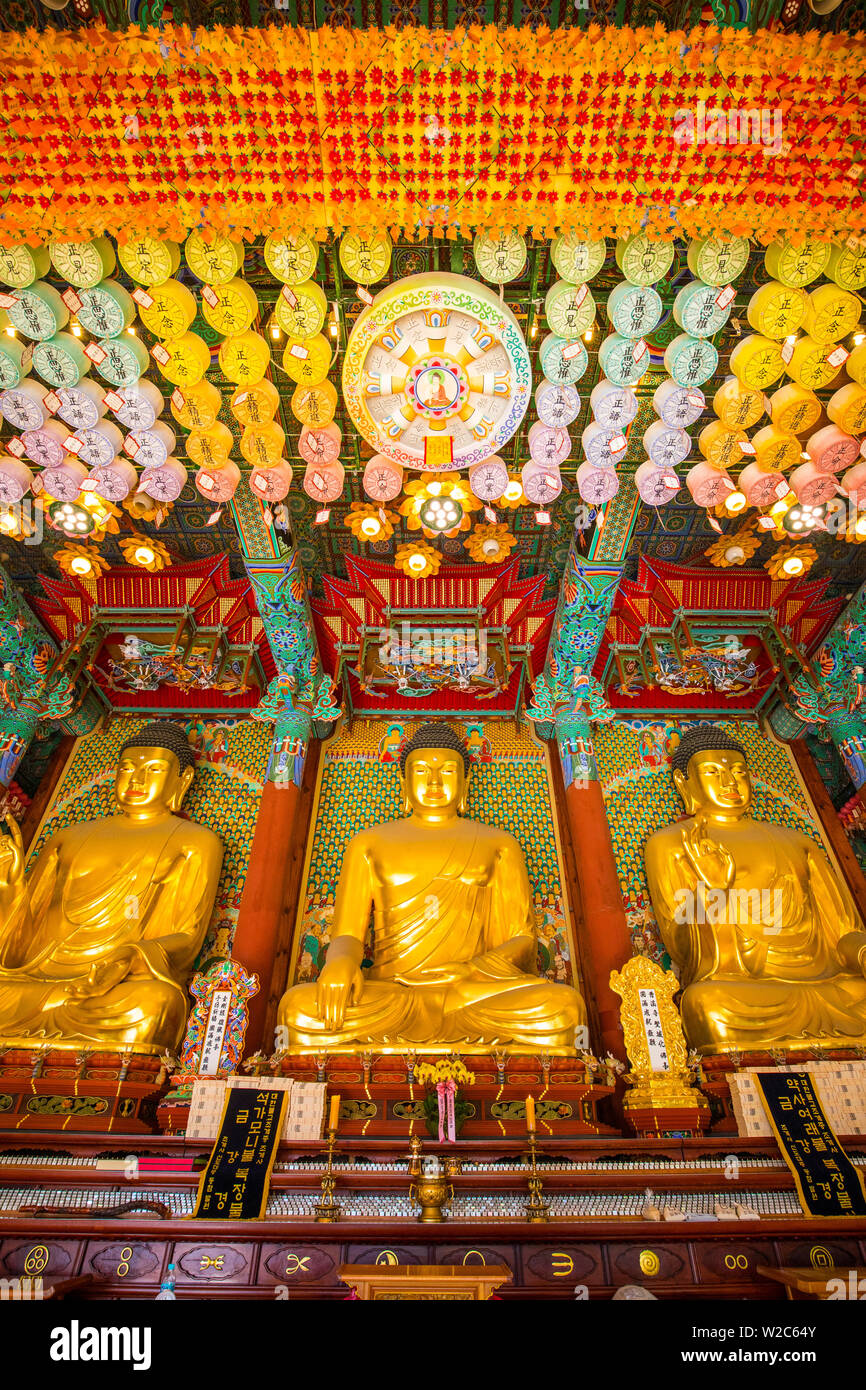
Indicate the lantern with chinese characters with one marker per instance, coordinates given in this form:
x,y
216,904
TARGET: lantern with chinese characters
x,y
832,450
548,445
324,481
262,445
708,485
760,486
15,479
795,409
541,482
383,479
218,484
678,405
596,485
612,405
63,480
210,448
854,484
666,445
271,484
488,479
23,406
811,486
256,403
47,445
152,447
166,482
141,406
83,406
99,445
114,481
196,406
558,404
655,486
320,446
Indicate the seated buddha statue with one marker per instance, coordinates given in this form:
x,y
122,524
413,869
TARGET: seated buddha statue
x,y
96,942
769,945
454,937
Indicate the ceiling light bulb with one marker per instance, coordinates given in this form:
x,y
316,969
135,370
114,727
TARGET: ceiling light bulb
x,y
417,563
735,554
859,338
370,526
434,489
490,546
275,330
143,555
860,525
735,502
8,522
80,565
513,491
793,565
131,330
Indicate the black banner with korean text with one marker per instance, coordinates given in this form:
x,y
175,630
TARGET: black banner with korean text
x,y
237,1177
828,1184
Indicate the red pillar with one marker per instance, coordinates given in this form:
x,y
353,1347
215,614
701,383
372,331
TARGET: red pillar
x,y
266,919
604,940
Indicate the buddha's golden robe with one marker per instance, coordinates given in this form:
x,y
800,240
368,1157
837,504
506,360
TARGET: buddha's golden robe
x,y
443,971
98,941
768,973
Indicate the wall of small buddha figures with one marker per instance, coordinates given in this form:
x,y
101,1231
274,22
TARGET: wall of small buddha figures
x,y
231,765
640,797
509,788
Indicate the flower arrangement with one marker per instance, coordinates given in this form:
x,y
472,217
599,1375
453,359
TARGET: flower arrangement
x,y
444,1111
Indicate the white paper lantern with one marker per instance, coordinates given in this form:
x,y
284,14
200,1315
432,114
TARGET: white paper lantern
x,y
99,445
150,448
596,485
142,405
558,404
166,482
656,486
488,480
596,442
679,405
548,446
666,444
541,483
23,405
612,405
82,406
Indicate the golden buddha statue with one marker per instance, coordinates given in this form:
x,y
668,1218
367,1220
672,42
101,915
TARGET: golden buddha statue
x,y
769,944
454,937
96,942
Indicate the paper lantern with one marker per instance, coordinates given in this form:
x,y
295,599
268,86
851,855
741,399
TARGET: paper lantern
x,y
291,259
149,260
777,310
776,449
82,406
678,405
263,444
557,406
691,361
761,487
320,446
307,363
114,481
810,486
245,358
810,363
720,445
106,310
196,406
633,310
642,261
150,448
99,445
856,364
718,260
489,479
271,484
757,361
548,446
596,442
831,449
596,485
708,485
794,409
854,484
218,484
655,486
210,448
23,406
120,361
796,265
21,265
577,260
383,479
254,404
167,310
14,366
846,266
499,258
46,445
15,479
215,261
847,408
365,259
300,310
83,263
701,310
315,405
558,367
38,312
184,360
63,480
666,445
142,405
612,405
616,357
738,406
569,309
324,482
542,484
166,482
831,314
231,308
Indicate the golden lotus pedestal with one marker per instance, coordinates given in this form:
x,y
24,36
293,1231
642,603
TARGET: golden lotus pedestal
x,y
427,1283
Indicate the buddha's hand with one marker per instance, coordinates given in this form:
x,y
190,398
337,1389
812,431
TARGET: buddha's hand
x,y
711,861
104,974
11,855
338,986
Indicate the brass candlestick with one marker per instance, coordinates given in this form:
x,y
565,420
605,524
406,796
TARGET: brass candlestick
x,y
327,1209
536,1208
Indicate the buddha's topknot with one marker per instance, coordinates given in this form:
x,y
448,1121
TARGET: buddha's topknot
x,y
705,737
435,735
163,734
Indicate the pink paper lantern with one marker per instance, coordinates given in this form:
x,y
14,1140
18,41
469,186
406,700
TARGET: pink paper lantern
x,y
854,483
271,484
596,485
831,449
15,479
656,485
324,482
383,479
166,482
810,486
113,481
760,487
218,484
63,482
709,486
320,445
